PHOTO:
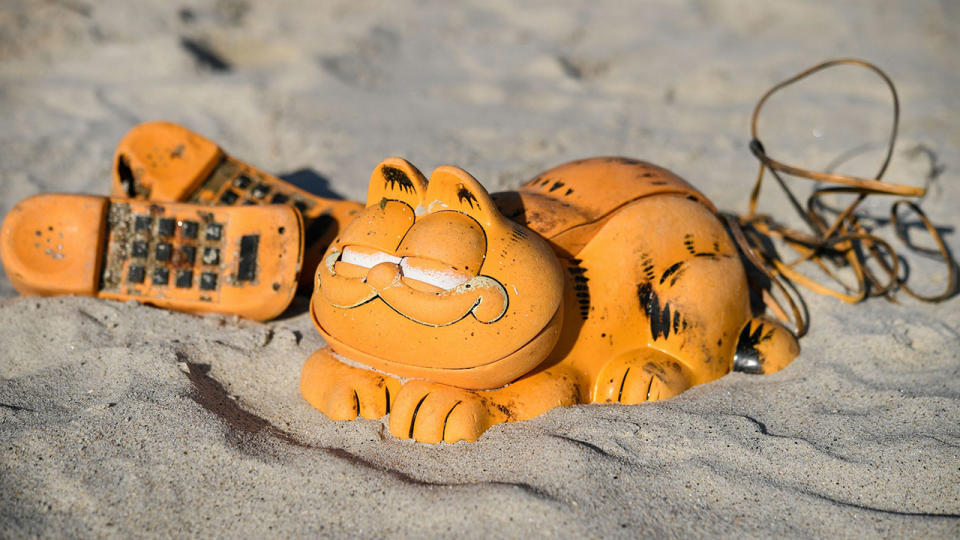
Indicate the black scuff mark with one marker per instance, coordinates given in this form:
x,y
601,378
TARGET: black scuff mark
x,y
689,244
648,266
556,185
662,320
517,235
204,55
505,411
669,271
127,179
747,358
394,178
464,194
581,289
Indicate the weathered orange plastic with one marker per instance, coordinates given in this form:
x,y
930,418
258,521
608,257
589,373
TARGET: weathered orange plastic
x,y
188,257
161,161
602,280
41,238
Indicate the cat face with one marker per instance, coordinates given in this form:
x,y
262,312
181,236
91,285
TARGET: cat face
x,y
431,281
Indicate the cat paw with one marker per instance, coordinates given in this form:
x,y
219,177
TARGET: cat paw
x,y
638,376
343,392
431,412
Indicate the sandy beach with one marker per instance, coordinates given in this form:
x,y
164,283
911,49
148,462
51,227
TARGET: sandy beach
x,y
120,420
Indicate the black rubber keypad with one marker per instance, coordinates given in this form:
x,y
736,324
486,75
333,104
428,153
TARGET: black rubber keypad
x,y
233,183
211,255
188,229
208,281
139,249
260,191
158,250
164,251
161,275
229,197
243,181
166,226
184,279
136,273
213,231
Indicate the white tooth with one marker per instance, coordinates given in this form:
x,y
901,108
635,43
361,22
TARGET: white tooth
x,y
444,280
365,259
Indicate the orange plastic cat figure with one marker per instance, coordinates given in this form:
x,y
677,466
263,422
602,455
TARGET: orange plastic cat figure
x,y
602,280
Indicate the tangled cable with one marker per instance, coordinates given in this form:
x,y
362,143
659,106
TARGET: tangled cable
x,y
845,241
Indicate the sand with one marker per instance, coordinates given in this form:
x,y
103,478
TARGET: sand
x,y
118,419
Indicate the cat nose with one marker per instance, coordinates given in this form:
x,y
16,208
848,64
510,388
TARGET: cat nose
x,y
383,275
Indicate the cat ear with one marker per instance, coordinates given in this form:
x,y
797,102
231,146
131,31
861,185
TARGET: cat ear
x,y
396,179
452,188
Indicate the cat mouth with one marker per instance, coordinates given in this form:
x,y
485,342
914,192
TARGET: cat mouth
x,y
445,279
427,292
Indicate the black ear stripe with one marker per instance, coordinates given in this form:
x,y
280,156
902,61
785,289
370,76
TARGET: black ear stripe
x,y
396,179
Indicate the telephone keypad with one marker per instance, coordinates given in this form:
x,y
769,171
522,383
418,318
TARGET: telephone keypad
x,y
151,249
161,276
208,281
139,249
136,274
189,229
184,279
164,251
235,183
